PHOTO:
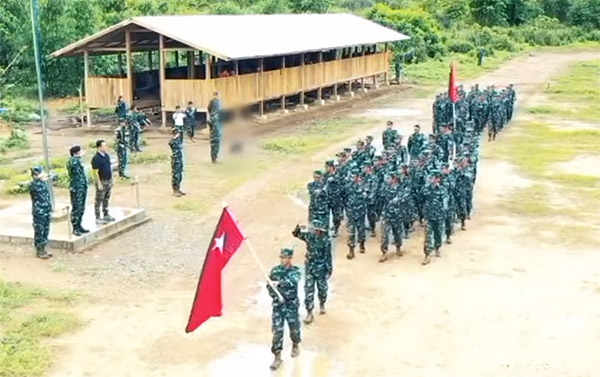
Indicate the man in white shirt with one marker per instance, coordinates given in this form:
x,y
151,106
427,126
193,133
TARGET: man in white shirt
x,y
178,119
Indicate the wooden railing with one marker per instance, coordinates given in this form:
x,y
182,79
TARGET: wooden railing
x,y
104,91
254,87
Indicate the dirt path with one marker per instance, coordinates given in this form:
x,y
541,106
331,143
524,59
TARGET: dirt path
x,y
498,303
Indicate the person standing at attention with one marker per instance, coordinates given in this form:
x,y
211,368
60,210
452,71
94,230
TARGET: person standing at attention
x,y
102,172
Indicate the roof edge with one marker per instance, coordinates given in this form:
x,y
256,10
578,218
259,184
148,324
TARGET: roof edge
x,y
89,38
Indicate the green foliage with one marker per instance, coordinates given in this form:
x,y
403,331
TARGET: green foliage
x,y
21,109
148,158
585,13
309,6
17,140
489,12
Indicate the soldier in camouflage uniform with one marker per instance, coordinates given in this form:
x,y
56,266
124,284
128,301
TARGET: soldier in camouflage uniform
x,y
176,145
135,129
464,184
318,266
78,185
495,117
446,143
122,137
449,183
401,151
121,109
416,141
333,183
318,207
370,148
435,208
285,278
391,217
388,135
356,211
41,209
214,124
190,120
371,191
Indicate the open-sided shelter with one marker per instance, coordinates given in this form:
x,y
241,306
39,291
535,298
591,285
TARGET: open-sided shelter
x,y
248,59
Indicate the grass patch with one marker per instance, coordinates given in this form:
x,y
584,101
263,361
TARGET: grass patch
x,y
317,136
581,83
146,158
529,201
23,327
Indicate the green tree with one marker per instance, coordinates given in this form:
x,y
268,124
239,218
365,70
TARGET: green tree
x,y
558,9
585,13
309,6
489,12
519,12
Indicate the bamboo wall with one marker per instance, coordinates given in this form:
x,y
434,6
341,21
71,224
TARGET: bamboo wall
x,y
254,87
104,91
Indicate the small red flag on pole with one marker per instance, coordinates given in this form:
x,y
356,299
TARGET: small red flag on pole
x,y
452,89
226,240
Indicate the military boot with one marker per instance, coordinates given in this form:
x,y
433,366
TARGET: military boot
x,y
309,318
448,240
48,252
462,225
322,310
295,350
383,257
41,253
276,362
399,250
83,230
76,231
437,252
350,254
362,247
427,260
373,234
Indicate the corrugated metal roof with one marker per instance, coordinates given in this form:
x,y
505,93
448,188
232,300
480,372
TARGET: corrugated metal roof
x,y
233,37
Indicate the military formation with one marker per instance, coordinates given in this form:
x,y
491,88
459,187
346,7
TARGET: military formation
x,y
128,135
428,180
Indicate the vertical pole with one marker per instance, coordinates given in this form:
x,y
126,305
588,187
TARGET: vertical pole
x,y
161,75
69,225
364,61
86,74
320,90
149,60
284,83
236,68
176,58
81,104
207,66
190,64
129,94
120,64
38,70
302,79
386,65
337,69
261,105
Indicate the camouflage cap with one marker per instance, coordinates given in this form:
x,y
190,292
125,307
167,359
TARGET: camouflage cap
x,y
347,150
435,173
287,252
329,163
369,137
318,172
36,170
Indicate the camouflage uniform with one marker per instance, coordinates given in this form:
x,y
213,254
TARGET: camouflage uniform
x,y
371,191
464,185
176,146
121,110
496,118
78,186
392,216
41,209
416,141
135,130
288,279
318,266
214,123
446,145
356,211
333,182
387,137
449,183
318,208
435,208
123,147
190,121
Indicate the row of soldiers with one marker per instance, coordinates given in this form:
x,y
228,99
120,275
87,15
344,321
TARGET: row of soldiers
x,y
128,135
430,180
475,109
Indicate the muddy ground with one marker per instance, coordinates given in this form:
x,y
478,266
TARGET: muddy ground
x,y
500,302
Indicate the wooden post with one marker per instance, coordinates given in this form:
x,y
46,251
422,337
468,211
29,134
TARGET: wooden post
x,y
190,64
176,58
207,66
120,64
320,90
284,83
385,75
129,94
161,75
362,79
261,104
150,60
335,85
86,75
302,79
236,68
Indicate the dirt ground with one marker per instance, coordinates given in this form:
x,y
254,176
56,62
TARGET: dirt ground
x,y
499,302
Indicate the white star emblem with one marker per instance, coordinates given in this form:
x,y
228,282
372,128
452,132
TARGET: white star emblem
x,y
219,243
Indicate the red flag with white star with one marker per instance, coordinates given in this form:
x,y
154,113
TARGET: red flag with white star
x,y
226,240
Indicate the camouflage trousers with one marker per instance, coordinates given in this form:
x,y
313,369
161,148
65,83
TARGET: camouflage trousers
x,y
356,229
449,224
321,214
215,145
282,313
337,213
78,197
102,198
461,206
136,137
310,280
176,174
469,203
395,228
435,229
123,156
41,229
191,130
372,215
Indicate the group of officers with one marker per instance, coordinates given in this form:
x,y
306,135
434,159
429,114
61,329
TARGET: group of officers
x,y
429,180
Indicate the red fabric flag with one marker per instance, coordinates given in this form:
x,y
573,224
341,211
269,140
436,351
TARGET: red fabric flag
x,y
227,239
452,89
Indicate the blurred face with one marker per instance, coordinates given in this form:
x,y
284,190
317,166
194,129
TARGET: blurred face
x,y
416,129
285,261
103,147
80,153
317,177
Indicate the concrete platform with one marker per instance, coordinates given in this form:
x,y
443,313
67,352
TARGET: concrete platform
x,y
16,226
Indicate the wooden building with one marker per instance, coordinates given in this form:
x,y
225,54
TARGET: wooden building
x,y
248,59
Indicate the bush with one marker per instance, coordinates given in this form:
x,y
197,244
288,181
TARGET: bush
x,y
462,47
18,139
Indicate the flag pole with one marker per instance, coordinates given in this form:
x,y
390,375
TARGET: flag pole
x,y
264,271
